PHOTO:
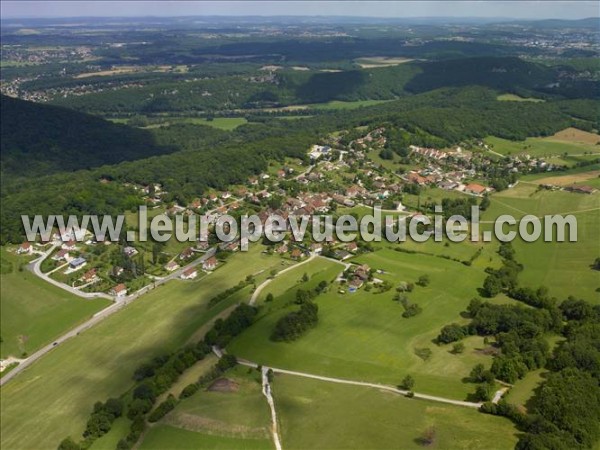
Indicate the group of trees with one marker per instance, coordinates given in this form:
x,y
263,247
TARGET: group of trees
x,y
294,324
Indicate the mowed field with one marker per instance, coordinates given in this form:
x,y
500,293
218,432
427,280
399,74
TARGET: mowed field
x,y
572,142
363,336
163,437
62,387
230,413
563,267
320,415
35,312
233,406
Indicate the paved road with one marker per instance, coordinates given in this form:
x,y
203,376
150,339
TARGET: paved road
x,y
35,267
96,318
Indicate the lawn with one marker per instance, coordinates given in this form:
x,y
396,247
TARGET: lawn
x,y
362,335
63,386
163,437
320,415
34,312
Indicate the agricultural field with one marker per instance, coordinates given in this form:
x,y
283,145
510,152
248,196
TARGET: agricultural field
x,y
565,268
232,406
363,336
567,144
64,385
35,312
322,415
517,98
161,437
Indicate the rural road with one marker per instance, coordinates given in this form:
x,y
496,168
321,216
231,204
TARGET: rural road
x,y
267,393
219,353
98,317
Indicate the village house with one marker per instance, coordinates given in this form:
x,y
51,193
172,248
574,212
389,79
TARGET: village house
x,y
89,276
130,251
352,247
316,247
172,266
120,290
475,189
189,274
25,249
186,253
202,245
210,264
282,249
60,255
69,245
77,263
296,254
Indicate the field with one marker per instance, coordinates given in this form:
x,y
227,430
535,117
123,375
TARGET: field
x,y
337,104
64,385
362,336
563,267
33,311
232,407
558,145
517,98
165,437
230,413
320,415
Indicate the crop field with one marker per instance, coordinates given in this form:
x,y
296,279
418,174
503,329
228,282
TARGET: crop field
x,y
363,336
563,267
35,312
64,385
321,415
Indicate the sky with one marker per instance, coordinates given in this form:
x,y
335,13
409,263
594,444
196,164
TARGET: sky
x,y
505,9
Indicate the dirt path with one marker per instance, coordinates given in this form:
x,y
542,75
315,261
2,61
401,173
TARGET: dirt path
x,y
267,393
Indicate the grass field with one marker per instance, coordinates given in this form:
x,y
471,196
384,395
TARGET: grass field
x,y
240,410
319,415
337,104
163,437
35,312
563,267
563,143
63,386
517,98
362,335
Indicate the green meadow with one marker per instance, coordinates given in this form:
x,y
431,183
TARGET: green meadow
x,y
320,415
63,385
163,437
564,267
35,312
540,147
363,336
238,409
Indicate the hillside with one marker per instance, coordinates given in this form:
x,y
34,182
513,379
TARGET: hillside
x,y
40,139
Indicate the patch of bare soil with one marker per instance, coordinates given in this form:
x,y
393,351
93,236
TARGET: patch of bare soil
x,y
224,385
